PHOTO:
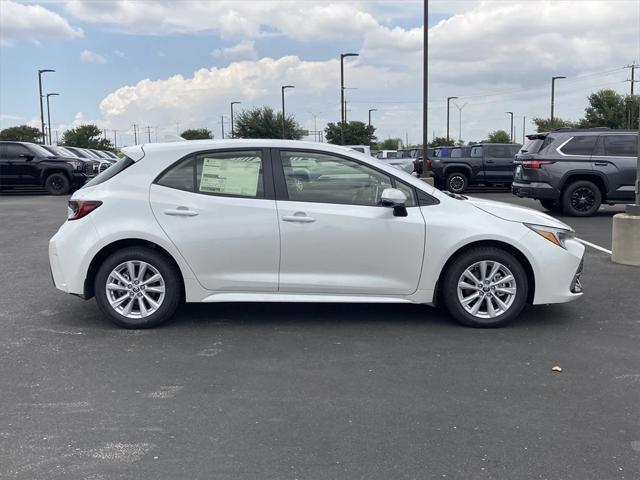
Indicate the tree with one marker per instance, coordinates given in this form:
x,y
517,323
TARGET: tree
x,y
197,134
355,133
21,133
544,124
389,144
607,108
86,136
440,142
263,122
499,136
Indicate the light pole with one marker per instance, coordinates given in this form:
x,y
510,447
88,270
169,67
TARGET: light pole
x,y
371,110
425,86
553,94
342,117
284,87
460,120
49,113
448,107
232,104
316,133
511,130
40,72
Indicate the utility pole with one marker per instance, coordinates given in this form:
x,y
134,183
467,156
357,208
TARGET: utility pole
x,y
425,86
511,130
283,88
135,134
524,119
448,108
149,133
316,133
115,138
57,141
232,104
49,113
343,117
633,67
40,72
459,120
553,94
222,123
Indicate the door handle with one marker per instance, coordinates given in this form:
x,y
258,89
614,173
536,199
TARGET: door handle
x,y
180,212
601,164
489,161
298,217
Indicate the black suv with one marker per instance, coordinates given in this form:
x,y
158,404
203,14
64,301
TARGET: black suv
x,y
29,165
575,170
482,164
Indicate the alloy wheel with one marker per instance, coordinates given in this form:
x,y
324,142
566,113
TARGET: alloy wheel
x,y
583,199
456,183
135,289
487,289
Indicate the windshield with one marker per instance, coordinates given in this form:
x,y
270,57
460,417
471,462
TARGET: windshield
x,y
40,152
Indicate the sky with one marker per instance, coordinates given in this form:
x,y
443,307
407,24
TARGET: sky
x,y
173,65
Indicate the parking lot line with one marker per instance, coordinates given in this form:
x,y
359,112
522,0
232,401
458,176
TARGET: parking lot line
x,y
593,245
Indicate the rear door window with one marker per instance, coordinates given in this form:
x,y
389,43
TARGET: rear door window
x,y
620,145
499,151
582,145
476,152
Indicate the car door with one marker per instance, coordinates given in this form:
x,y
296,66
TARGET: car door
x,y
219,211
616,157
16,164
335,236
498,163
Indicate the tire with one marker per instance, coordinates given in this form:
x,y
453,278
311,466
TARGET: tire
x,y
57,184
156,263
457,182
581,199
471,260
550,205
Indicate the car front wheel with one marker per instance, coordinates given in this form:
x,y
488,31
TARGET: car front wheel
x,y
137,288
485,287
456,182
57,184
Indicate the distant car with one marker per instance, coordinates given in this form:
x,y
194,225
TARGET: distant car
x,y
231,221
574,171
24,164
482,164
63,152
391,157
86,153
103,154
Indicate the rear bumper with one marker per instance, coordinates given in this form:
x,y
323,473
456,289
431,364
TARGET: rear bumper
x,y
536,190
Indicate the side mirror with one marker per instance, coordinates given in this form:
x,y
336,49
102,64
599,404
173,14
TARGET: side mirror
x,y
392,197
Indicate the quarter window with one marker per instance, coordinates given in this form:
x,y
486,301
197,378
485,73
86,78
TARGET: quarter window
x,y
499,152
620,145
580,145
321,178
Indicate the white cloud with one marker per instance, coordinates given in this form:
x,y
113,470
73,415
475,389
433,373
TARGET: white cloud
x,y
87,56
245,50
33,23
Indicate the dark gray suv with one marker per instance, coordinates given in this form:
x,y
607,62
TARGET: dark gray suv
x,y
574,171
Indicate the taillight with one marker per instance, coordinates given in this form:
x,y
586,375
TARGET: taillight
x,y
81,208
535,163
429,163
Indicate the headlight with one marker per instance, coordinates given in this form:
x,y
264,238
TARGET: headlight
x,y
75,164
557,236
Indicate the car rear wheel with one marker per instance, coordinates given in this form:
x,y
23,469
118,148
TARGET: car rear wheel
x,y
456,182
57,184
550,205
137,288
581,199
485,287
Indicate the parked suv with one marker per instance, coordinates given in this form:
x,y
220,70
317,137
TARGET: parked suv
x,y
574,171
29,165
482,164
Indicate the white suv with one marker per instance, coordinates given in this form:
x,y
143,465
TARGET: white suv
x,y
286,221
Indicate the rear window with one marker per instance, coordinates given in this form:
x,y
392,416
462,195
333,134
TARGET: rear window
x,y
580,145
620,145
109,173
532,146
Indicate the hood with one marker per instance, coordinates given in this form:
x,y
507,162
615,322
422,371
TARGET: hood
x,y
514,213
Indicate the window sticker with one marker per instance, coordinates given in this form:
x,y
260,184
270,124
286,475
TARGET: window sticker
x,y
230,176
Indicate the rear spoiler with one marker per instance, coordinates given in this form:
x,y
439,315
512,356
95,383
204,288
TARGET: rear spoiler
x,y
537,136
135,152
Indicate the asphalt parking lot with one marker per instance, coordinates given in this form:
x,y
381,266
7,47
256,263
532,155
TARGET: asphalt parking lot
x,y
277,391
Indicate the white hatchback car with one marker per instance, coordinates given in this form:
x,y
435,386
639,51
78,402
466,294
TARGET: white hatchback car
x,y
287,221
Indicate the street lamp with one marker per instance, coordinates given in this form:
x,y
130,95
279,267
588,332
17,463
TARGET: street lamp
x,y
284,87
371,110
425,86
553,94
49,113
460,119
316,133
448,107
510,131
232,104
40,72
342,117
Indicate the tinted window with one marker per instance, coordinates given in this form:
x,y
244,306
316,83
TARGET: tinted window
x,y
112,171
40,151
237,174
532,146
456,153
179,176
15,150
476,152
580,145
322,178
500,151
620,145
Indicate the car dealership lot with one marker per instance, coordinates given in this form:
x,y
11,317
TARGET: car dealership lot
x,y
314,391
